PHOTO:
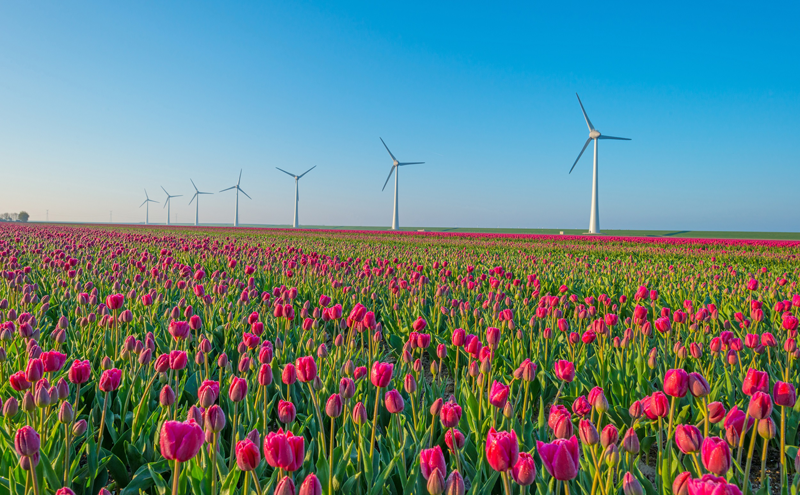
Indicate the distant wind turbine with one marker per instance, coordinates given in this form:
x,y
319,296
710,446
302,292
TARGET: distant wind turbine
x,y
167,202
238,189
147,210
197,193
296,193
594,134
395,165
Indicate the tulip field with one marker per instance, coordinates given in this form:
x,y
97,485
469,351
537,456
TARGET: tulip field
x,y
257,362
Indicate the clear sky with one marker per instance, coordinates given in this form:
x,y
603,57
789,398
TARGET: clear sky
x,y
100,100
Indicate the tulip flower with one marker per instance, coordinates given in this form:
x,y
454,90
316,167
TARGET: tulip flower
x,y
560,458
716,455
430,459
310,486
498,395
524,471
180,442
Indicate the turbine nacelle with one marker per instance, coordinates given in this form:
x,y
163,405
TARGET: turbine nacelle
x,y
594,134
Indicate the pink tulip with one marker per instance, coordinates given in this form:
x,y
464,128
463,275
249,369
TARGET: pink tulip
x,y
430,459
502,449
181,441
560,458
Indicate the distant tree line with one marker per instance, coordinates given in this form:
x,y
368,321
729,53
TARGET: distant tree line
x,y
15,217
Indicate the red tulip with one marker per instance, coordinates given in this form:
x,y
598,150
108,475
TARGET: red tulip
x,y
284,450
247,455
310,486
698,385
26,441
109,380
179,329
760,405
498,395
19,381
784,394
716,412
286,412
560,458
285,487
52,361
238,389
419,324
334,406
502,449
306,369
459,439
712,485
181,441
524,471
716,455
80,372
450,414
34,370
676,383
430,459
394,401
688,438
565,371
381,374
755,381
455,484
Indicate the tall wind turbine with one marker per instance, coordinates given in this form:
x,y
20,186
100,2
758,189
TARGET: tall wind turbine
x,y
197,193
167,202
147,210
296,194
594,134
395,165
238,189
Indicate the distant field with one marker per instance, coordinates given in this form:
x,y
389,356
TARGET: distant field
x,y
697,234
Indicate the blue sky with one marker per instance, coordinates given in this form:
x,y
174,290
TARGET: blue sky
x,y
99,100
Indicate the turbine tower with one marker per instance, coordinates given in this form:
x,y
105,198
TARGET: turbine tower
x,y
147,210
395,165
197,193
296,194
167,202
594,134
238,189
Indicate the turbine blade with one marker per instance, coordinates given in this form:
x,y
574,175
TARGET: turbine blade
x,y
152,200
409,163
387,149
228,189
195,195
177,196
580,154
195,187
245,193
165,191
145,194
166,203
285,172
387,179
240,177
612,137
588,122
143,203
307,171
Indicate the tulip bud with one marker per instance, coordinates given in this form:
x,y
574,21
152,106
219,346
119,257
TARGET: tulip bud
x,y
630,485
766,428
65,414
28,404
167,396
455,483
360,414
436,407
79,428
436,482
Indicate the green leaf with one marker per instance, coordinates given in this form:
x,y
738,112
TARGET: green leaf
x,y
119,472
158,481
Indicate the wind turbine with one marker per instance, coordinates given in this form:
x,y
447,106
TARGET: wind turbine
x,y
594,134
238,189
167,202
296,194
147,210
395,165
197,203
